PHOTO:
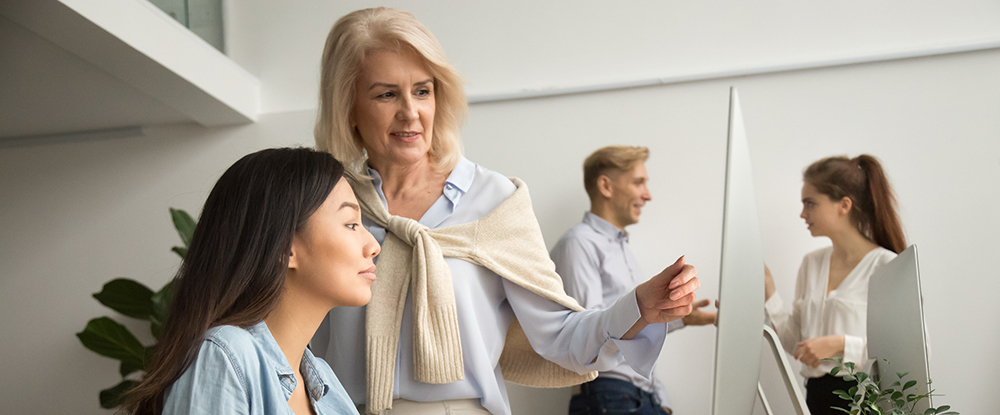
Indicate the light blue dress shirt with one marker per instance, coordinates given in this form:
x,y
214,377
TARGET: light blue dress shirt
x,y
486,305
243,371
598,267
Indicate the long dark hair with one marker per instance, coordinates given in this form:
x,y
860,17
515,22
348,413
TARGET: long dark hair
x,y
235,266
862,179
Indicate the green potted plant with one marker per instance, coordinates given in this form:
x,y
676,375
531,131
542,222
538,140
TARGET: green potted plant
x,y
868,398
107,337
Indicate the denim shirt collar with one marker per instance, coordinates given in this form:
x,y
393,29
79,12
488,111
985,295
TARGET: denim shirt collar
x,y
316,385
604,227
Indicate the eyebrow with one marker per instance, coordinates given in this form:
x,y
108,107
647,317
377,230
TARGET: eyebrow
x,y
383,84
350,205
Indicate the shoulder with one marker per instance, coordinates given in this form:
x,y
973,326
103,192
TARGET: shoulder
x,y
489,181
577,240
487,191
882,255
237,344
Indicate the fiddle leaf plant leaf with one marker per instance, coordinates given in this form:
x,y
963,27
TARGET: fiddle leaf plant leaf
x,y
108,338
180,251
184,224
128,368
114,396
161,307
128,297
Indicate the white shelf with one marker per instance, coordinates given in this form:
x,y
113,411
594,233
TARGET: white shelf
x,y
82,65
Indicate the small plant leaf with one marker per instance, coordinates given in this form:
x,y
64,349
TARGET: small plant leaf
x,y
127,368
850,378
128,297
835,371
180,251
849,366
909,384
161,307
840,409
902,374
108,338
184,225
942,408
113,396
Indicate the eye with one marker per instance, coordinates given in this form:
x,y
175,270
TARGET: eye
x,y
386,95
353,226
424,92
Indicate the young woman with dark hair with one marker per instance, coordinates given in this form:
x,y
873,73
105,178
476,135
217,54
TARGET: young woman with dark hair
x,y
850,202
279,243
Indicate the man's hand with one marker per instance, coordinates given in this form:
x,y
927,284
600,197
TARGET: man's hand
x,y
665,297
699,317
811,351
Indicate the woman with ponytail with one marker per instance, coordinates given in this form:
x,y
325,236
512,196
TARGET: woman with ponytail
x,y
850,202
278,245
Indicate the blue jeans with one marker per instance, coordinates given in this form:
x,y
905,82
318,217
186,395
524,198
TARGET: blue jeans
x,y
612,396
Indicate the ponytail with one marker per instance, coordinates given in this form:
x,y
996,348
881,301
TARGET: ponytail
x,y
884,227
862,180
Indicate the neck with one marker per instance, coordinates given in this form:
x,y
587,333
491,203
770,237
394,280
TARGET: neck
x,y
398,179
850,246
603,211
293,323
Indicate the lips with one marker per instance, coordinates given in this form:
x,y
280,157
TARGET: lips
x,y
368,273
406,136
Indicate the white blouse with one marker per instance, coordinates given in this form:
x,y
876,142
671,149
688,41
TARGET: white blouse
x,y
816,314
486,305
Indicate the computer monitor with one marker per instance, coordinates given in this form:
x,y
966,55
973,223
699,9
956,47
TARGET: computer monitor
x,y
896,323
741,281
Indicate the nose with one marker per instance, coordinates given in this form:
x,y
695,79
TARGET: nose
x,y
803,213
646,195
372,247
407,111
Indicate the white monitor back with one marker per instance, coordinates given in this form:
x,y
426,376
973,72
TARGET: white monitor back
x,y
741,281
896,323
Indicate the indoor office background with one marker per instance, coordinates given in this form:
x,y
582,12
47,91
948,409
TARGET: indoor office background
x,y
915,83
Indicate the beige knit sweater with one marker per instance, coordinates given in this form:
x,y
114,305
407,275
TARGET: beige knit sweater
x,y
507,241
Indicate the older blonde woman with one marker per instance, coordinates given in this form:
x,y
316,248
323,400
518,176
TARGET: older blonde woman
x,y
466,296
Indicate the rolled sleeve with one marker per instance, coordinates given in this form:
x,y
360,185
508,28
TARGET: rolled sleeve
x,y
855,350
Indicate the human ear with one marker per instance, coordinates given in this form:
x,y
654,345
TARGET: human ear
x,y
604,186
293,259
845,205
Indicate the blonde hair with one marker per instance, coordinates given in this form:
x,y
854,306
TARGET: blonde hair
x,y
352,38
613,160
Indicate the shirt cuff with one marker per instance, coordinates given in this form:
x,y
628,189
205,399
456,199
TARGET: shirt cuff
x,y
675,325
642,350
854,349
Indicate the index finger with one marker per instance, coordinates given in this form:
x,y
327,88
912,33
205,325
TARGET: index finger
x,y
689,287
683,276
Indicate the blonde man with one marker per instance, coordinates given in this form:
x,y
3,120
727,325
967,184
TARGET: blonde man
x,y
597,267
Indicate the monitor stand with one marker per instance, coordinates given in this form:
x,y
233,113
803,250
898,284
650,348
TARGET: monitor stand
x,y
786,396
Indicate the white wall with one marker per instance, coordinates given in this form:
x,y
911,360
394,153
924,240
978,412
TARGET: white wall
x,y
76,215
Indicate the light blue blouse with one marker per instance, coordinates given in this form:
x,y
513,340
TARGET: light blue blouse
x,y
243,371
486,304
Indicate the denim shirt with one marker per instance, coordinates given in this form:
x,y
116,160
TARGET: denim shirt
x,y
243,371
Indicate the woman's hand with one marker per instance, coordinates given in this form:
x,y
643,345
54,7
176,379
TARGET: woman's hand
x,y
666,297
768,283
811,351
